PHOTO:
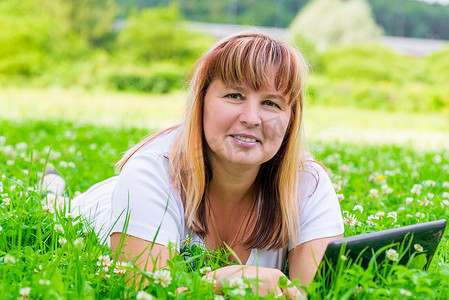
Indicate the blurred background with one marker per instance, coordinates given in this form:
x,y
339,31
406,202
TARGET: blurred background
x,y
379,68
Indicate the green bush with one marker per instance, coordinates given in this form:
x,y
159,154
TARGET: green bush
x,y
371,62
159,78
437,66
368,94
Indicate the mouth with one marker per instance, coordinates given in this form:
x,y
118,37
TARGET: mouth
x,y
247,139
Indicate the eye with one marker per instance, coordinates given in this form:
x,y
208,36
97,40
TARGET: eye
x,y
235,96
271,103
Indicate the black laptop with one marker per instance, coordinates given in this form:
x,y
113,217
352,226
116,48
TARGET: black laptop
x,y
409,241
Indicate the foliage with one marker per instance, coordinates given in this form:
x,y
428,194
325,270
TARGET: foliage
x,y
412,18
411,96
30,41
437,66
335,22
159,78
92,20
370,62
73,263
159,34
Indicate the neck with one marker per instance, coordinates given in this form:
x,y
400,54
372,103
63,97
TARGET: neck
x,y
231,186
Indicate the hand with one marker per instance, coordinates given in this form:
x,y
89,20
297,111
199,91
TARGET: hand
x,y
268,279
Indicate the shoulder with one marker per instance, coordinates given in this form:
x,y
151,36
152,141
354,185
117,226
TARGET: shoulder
x,y
313,178
153,154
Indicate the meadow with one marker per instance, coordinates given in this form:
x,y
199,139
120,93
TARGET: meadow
x,y
389,169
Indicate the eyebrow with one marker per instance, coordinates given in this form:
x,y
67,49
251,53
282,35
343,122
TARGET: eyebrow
x,y
271,96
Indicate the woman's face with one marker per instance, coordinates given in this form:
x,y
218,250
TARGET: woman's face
x,y
243,126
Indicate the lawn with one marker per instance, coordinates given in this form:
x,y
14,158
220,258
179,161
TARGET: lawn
x,y
389,168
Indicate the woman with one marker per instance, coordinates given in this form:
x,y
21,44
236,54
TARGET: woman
x,y
234,172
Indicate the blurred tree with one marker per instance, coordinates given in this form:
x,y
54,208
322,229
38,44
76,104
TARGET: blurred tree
x,y
31,39
159,34
93,20
332,22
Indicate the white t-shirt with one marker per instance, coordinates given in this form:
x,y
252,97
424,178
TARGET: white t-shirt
x,y
145,192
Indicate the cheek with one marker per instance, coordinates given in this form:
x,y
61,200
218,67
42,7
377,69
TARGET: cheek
x,y
276,127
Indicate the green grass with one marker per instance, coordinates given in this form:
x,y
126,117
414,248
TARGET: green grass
x,y
85,154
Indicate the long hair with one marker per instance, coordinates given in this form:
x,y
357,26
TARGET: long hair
x,y
246,59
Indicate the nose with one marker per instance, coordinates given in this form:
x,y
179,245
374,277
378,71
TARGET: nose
x,y
250,113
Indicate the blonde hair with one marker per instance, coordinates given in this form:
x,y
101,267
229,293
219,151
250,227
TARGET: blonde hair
x,y
244,59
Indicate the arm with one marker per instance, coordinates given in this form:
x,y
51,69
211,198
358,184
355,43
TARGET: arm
x,y
147,255
304,259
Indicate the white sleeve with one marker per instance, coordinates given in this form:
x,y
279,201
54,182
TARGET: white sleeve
x,y
320,214
155,212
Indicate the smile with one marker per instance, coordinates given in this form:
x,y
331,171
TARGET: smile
x,y
245,139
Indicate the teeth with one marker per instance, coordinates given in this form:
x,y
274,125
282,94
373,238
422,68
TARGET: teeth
x,y
244,139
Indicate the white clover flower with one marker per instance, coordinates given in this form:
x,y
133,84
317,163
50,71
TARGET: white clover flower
x,y
393,215
337,187
371,218
121,267
6,201
405,292
409,215
408,200
343,168
418,247
343,257
25,292
358,289
70,215
218,297
71,165
1,228
162,277
444,204
238,292
104,260
416,189
63,164
420,215
9,259
141,295
350,220
237,283
59,228
446,185
44,282
380,215
78,243
446,195
429,183
205,270
401,208
374,193
392,255
386,189
62,241
340,197
424,202
358,207
48,209
437,159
